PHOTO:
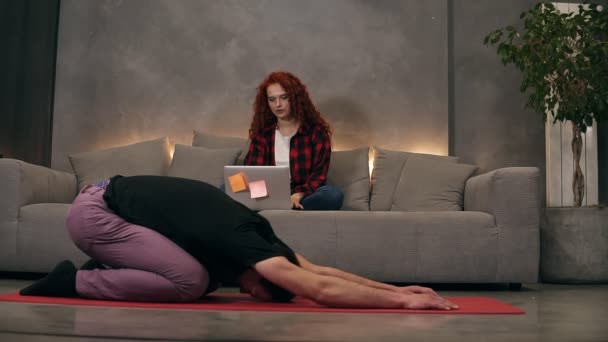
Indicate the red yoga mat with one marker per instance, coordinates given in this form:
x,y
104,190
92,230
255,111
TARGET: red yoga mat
x,y
243,302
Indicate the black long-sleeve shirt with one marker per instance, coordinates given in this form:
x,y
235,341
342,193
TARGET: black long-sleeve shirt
x,y
225,236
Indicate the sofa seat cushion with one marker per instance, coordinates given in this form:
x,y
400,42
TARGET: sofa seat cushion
x,y
459,245
43,239
310,233
395,246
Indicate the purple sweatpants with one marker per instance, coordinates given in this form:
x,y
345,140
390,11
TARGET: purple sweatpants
x,y
144,265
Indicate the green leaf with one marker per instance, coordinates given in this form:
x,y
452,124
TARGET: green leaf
x,y
600,105
524,85
495,36
566,52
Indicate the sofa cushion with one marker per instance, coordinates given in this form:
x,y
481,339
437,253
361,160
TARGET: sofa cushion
x,y
431,185
150,157
417,246
402,246
202,163
349,171
42,239
312,233
211,141
388,165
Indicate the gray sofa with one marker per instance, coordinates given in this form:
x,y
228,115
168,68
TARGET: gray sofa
x,y
488,233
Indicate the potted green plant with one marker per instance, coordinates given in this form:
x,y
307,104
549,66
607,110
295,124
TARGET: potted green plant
x,y
564,61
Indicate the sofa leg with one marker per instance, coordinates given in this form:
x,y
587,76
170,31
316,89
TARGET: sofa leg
x,y
514,286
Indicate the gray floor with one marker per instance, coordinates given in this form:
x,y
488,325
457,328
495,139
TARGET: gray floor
x,y
553,313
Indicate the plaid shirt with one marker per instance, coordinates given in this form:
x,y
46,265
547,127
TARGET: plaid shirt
x,y
309,156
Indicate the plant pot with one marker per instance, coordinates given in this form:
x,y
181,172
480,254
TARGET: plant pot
x,y
574,245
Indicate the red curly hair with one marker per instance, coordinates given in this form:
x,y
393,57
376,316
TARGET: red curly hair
x,y
301,105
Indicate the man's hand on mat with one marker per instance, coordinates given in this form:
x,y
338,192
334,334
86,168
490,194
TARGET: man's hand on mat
x,y
417,290
428,301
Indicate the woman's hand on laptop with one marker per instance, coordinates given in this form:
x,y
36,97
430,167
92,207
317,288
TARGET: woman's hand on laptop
x,y
295,200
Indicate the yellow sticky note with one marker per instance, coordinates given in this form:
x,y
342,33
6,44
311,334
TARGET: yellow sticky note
x,y
258,189
238,182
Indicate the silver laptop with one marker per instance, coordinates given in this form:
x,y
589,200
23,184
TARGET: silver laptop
x,y
277,189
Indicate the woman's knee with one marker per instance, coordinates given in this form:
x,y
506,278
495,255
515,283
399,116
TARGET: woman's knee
x,y
334,196
324,198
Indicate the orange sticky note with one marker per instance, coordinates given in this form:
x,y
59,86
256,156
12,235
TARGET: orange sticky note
x,y
258,189
238,182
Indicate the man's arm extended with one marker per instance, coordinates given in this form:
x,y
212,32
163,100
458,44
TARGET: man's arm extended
x,y
337,292
334,272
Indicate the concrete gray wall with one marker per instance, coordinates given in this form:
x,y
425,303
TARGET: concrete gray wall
x,y
134,70
380,71
492,129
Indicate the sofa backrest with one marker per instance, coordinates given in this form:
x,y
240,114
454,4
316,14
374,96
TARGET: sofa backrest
x,y
400,181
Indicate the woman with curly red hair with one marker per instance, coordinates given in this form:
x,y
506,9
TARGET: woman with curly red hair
x,y
287,129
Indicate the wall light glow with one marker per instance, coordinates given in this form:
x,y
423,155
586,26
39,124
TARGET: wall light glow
x,y
429,149
171,149
435,149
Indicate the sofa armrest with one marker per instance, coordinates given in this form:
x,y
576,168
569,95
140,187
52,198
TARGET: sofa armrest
x,y
23,183
510,194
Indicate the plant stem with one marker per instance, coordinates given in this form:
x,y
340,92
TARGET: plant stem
x,y
578,181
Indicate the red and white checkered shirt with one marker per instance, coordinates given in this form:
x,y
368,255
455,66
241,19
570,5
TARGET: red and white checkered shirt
x,y
309,155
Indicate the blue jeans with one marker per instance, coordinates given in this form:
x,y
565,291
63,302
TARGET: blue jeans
x,y
326,197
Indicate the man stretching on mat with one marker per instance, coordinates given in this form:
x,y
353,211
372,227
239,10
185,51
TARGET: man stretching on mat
x,y
165,239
